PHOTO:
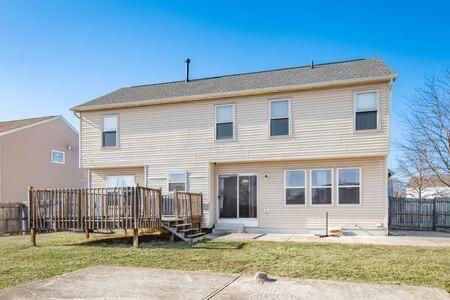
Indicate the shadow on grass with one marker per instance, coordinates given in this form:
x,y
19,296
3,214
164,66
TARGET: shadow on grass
x,y
155,241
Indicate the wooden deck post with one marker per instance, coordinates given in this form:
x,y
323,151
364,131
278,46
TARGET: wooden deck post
x,y
135,238
86,233
33,236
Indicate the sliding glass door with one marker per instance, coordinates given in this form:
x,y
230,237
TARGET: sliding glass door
x,y
237,196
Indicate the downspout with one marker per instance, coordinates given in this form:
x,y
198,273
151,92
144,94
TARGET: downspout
x,y
386,163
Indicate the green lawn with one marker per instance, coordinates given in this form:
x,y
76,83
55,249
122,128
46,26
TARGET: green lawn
x,y
59,253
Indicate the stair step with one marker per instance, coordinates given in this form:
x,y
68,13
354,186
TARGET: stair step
x,y
194,235
187,230
183,225
171,219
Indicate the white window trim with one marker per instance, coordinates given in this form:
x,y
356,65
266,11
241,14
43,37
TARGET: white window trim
x,y
57,162
234,122
295,187
186,189
360,186
117,132
123,175
355,102
321,187
289,116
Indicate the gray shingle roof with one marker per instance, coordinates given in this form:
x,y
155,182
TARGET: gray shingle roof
x,y
321,73
10,125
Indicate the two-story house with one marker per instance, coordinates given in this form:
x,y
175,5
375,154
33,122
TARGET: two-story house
x,y
271,151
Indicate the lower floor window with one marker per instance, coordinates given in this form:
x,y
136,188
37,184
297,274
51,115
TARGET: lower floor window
x,y
177,181
121,181
321,186
349,185
294,181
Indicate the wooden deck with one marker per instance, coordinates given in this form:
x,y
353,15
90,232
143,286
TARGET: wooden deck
x,y
113,209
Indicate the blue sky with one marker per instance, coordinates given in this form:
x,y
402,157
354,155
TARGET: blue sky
x,y
57,54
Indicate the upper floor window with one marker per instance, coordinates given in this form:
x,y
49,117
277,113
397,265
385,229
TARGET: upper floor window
x,y
58,157
349,185
109,131
279,117
321,186
225,122
366,110
294,183
120,181
177,181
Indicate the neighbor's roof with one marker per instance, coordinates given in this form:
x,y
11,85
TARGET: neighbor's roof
x,y
320,74
10,125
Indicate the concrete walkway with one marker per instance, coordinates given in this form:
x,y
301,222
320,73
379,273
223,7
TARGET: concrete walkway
x,y
140,283
421,241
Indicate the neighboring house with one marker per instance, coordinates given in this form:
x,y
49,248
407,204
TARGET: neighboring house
x,y
271,151
428,187
396,188
40,152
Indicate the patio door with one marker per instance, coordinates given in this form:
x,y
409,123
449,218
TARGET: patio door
x,y
237,197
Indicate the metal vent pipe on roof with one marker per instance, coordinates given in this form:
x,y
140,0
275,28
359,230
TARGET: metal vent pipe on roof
x,y
188,61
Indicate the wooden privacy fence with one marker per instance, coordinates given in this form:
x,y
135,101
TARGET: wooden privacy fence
x,y
419,214
13,218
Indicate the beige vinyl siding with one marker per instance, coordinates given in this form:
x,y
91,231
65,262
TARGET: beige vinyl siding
x,y
273,213
180,136
98,177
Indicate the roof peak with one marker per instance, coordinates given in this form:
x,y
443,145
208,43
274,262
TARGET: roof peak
x,y
28,119
253,72
300,77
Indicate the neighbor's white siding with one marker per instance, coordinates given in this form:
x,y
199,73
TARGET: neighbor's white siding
x,y
180,136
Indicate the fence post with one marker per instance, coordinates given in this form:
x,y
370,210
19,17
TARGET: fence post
x,y
434,214
32,217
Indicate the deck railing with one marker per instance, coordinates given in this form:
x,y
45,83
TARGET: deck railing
x,y
108,208
95,208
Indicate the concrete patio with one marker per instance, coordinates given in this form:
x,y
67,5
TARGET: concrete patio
x,y
141,283
424,240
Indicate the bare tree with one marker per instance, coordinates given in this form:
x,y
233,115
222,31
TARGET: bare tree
x,y
426,145
414,172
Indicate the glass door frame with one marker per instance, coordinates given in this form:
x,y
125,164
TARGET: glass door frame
x,y
249,222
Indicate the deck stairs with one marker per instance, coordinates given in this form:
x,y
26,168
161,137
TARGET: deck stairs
x,y
183,228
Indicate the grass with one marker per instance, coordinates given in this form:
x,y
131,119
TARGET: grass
x,y
59,253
